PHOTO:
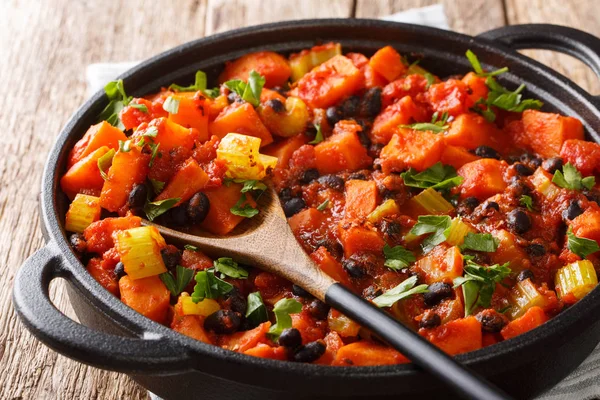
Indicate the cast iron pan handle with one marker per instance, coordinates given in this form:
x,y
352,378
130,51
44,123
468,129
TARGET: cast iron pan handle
x,y
579,44
59,332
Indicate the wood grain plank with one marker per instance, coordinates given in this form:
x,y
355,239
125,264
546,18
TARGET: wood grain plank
x,y
465,16
580,14
224,15
44,65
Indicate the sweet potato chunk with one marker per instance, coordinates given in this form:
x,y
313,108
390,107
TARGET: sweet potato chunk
x,y
411,149
364,353
245,340
99,235
330,265
272,66
545,133
308,220
192,326
403,112
105,277
456,337
284,150
457,156
587,225
582,154
84,176
387,62
127,169
243,119
192,113
148,296
533,318
187,181
99,135
266,351
441,264
342,151
450,96
471,131
219,219
362,198
328,83
357,239
482,178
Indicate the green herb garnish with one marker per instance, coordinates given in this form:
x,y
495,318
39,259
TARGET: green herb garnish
x,y
256,312
249,92
105,162
318,136
157,186
117,100
480,242
157,208
124,146
581,246
171,105
282,310
570,178
439,176
323,205
191,247
526,201
477,66
176,284
141,107
208,286
435,126
404,290
226,266
397,257
479,283
243,211
199,85
434,224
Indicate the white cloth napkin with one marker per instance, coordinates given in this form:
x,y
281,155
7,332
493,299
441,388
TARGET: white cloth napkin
x,y
583,383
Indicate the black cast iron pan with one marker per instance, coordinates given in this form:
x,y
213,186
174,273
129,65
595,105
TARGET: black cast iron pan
x,y
113,336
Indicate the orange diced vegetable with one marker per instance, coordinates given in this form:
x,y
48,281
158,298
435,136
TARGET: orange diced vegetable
x,y
333,343
411,149
450,96
403,112
471,131
266,351
587,225
84,176
105,277
192,113
330,265
546,132
365,353
362,198
148,296
99,235
242,341
533,318
272,66
99,135
441,264
509,252
482,178
457,156
456,337
308,220
170,134
127,169
360,239
328,83
219,219
342,325
387,63
192,326
342,151
240,118
283,150
582,154
187,181
476,84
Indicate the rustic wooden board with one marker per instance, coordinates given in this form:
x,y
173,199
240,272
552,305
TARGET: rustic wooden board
x,y
44,48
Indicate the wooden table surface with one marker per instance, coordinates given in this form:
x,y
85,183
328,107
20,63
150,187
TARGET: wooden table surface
x,y
45,47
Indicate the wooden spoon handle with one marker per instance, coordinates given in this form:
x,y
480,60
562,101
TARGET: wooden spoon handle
x,y
464,381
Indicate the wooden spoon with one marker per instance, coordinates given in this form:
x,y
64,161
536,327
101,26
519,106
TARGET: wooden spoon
x,y
268,243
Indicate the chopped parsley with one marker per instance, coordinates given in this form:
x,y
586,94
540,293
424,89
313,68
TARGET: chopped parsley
x,y
526,201
437,225
226,266
480,242
157,185
256,312
156,208
141,107
199,85
404,290
171,105
176,284
323,205
242,210
397,257
439,176
581,246
191,247
435,126
318,136
479,283
570,178
117,100
209,286
249,92
282,310
105,162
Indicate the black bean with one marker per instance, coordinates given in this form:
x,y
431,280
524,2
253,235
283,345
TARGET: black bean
x,y
523,169
137,196
350,106
491,321
300,292
354,269
285,194
78,243
519,188
573,211
197,208
486,152
438,291
552,164
536,250
359,176
309,175
467,206
171,257
363,138
178,215
391,228
318,309
491,204
332,181
311,352
519,221
223,322
531,160
276,105
290,338
592,195
430,320
235,301
293,206
119,270
525,274
370,104
334,115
